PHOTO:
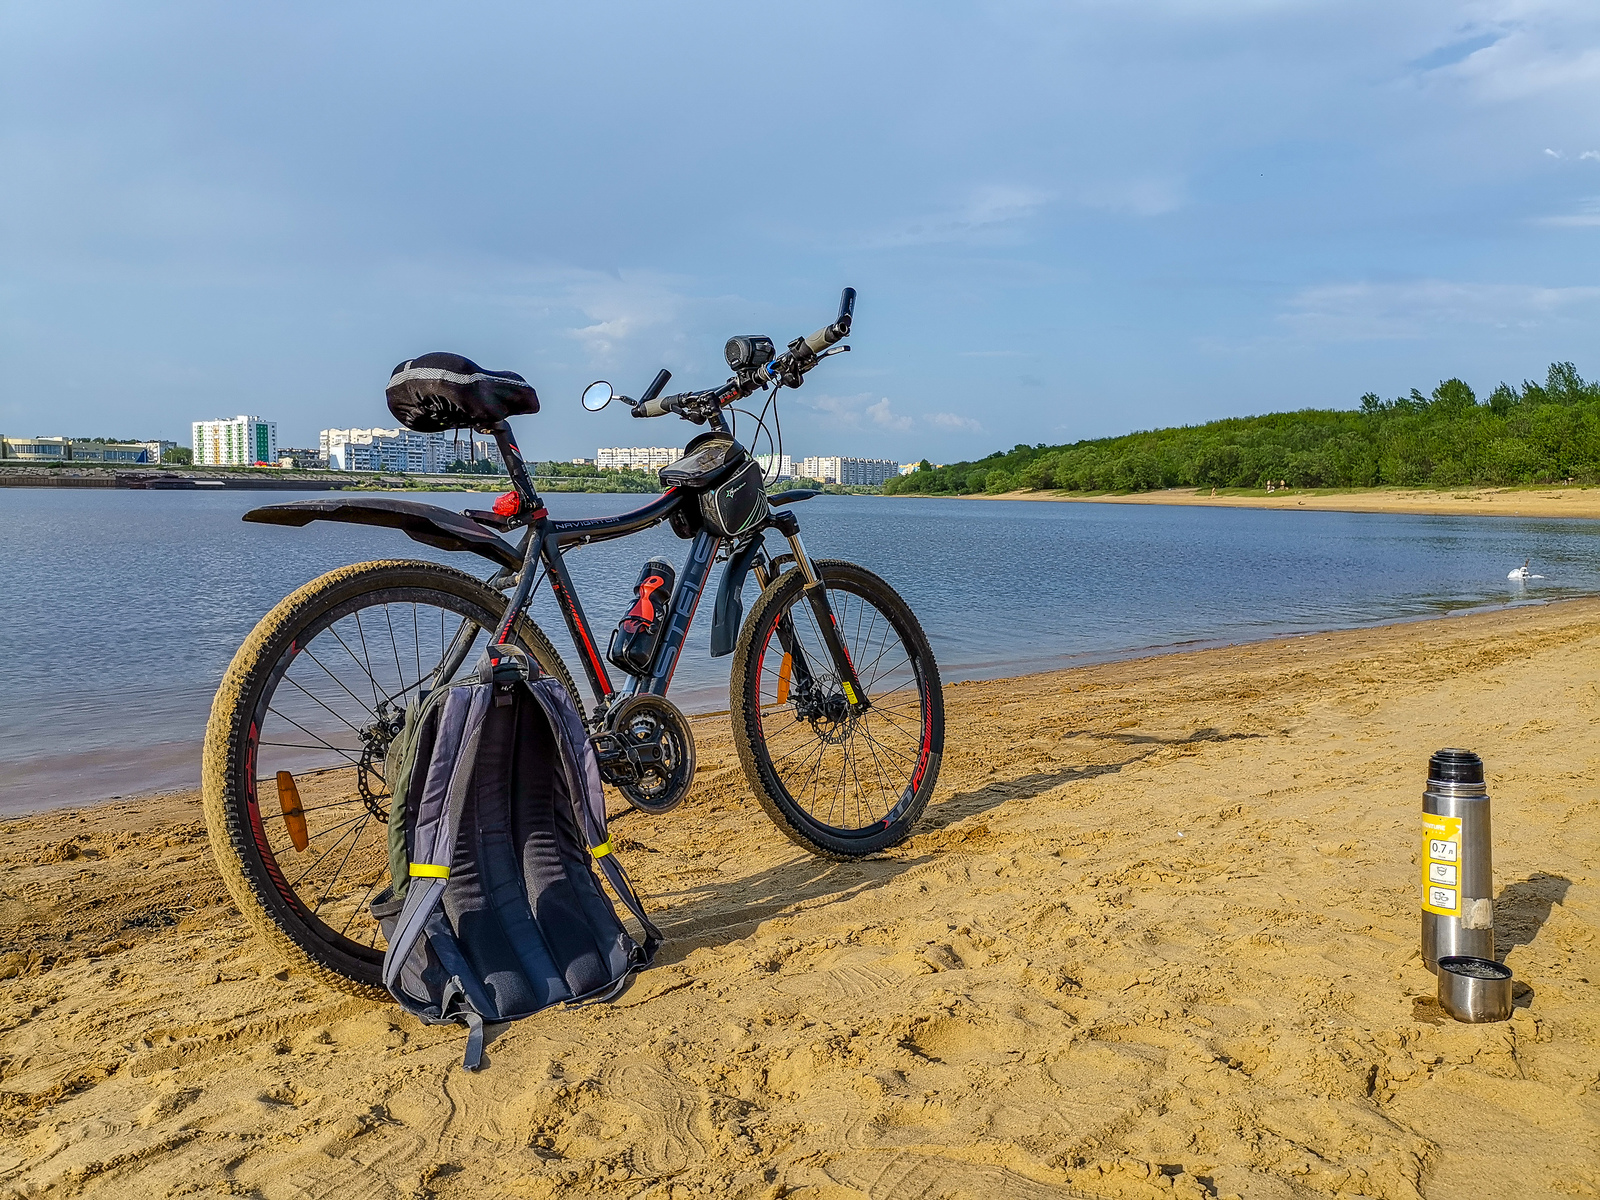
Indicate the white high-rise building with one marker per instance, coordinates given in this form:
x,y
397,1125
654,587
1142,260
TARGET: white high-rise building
x,y
639,458
775,466
389,450
839,469
239,442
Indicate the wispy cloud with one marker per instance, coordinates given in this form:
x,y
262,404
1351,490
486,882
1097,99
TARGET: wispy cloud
x,y
992,213
955,422
1390,311
859,411
1147,196
1588,215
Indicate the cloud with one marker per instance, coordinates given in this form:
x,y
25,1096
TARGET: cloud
x,y
859,411
620,308
1397,311
1150,196
1553,153
991,213
1594,154
1453,52
1588,215
1534,57
954,421
883,415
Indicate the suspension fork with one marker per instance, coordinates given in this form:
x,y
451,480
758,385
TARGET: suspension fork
x,y
816,594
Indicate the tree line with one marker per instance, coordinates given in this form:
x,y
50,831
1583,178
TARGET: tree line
x,y
1538,433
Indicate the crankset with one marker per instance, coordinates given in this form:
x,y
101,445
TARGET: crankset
x,y
647,753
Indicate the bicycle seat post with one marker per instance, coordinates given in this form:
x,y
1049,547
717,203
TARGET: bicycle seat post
x,y
516,468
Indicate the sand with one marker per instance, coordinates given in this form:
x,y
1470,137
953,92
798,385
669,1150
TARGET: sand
x,y
1476,502
1157,937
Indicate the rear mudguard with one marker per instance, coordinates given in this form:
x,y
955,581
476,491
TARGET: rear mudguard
x,y
425,523
729,613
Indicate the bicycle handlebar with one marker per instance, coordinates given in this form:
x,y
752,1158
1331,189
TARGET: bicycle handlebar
x,y
840,329
788,369
660,407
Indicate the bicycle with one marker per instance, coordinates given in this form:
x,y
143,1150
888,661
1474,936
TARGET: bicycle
x,y
835,697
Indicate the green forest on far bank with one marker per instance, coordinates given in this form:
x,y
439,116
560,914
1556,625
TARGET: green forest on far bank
x,y
1538,433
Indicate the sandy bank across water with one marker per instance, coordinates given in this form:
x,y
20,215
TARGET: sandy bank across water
x,y
1580,502
1157,937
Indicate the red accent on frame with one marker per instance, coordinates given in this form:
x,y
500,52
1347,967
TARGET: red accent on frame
x,y
582,627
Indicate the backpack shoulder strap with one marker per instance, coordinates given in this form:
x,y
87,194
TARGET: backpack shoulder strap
x,y
588,799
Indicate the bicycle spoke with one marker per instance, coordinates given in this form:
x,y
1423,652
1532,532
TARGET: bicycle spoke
x,y
354,842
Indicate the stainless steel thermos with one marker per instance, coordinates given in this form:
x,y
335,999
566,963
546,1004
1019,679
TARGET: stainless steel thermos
x,y
1457,867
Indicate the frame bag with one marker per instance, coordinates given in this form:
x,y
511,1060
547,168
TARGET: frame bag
x,y
498,912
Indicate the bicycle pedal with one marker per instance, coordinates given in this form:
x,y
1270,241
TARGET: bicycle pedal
x,y
608,748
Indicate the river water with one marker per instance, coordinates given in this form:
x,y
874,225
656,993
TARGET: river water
x,y
119,610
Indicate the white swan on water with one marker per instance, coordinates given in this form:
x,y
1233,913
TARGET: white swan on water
x,y
1522,572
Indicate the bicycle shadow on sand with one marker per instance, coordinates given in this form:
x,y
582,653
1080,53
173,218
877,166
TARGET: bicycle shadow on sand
x,y
731,908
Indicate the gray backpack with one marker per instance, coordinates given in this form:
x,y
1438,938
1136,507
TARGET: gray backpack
x,y
498,819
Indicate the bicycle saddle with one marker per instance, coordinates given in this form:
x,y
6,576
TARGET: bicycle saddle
x,y
446,391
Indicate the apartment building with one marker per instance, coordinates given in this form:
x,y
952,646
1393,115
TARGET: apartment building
x,y
234,442
775,466
638,458
854,471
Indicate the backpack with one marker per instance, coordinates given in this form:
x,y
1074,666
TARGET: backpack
x,y
494,911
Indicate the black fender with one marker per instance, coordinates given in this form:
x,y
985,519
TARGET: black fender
x,y
425,523
729,613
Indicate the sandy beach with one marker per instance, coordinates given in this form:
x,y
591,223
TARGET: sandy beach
x,y
1156,937
1476,502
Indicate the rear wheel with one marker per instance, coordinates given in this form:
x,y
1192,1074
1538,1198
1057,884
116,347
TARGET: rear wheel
x,y
293,771
839,780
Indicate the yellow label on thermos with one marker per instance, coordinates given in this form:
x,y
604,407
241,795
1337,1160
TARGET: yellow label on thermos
x,y
1441,865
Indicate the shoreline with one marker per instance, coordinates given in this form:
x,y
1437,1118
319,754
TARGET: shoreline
x,y
997,673
1567,502
1156,936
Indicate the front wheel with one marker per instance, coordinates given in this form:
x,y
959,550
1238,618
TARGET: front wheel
x,y
293,773
838,778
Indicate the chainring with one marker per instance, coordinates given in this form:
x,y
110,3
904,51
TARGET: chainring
x,y
648,754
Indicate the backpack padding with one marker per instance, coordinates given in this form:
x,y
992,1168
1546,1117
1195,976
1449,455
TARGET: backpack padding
x,y
507,851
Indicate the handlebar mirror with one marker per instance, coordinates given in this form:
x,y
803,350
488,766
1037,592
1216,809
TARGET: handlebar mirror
x,y
597,395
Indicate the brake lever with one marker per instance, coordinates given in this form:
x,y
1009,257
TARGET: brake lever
x,y
832,350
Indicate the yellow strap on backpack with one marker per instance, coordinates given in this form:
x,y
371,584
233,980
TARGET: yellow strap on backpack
x,y
429,871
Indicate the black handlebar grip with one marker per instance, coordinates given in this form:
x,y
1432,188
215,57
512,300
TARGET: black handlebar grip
x,y
847,307
656,384
658,408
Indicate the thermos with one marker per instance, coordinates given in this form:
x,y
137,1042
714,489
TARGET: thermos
x,y
1457,867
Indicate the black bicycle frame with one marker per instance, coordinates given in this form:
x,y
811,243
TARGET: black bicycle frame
x,y
546,539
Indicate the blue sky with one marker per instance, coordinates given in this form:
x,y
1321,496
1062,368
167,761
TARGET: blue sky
x,y
1064,220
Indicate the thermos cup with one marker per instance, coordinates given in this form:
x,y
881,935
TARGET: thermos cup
x,y
1457,868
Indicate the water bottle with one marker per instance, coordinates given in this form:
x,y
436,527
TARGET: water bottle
x,y
1457,866
634,641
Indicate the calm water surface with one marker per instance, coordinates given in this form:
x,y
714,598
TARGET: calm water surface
x,y
119,610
